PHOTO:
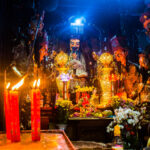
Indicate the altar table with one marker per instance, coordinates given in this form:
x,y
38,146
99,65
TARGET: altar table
x,y
50,140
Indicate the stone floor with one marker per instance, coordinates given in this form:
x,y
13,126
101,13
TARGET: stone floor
x,y
88,145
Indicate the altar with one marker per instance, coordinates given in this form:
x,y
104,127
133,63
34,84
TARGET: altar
x,y
50,139
88,129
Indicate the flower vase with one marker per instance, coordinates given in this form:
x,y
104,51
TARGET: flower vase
x,y
62,126
131,141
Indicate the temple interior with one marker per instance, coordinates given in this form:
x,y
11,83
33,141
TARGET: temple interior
x,y
75,75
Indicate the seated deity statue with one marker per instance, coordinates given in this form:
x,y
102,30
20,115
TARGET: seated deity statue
x,y
145,71
78,66
77,69
145,93
133,81
123,65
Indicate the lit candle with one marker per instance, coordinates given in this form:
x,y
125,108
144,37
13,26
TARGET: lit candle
x,y
35,112
14,115
7,111
14,112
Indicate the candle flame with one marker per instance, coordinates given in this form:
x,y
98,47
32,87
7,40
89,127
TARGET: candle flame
x,y
19,84
34,84
38,83
8,85
16,71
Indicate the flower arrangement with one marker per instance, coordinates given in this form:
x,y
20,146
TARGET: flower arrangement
x,y
63,108
130,122
85,112
84,109
84,102
84,89
120,102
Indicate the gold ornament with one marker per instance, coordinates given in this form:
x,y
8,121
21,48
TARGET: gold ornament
x,y
106,59
61,59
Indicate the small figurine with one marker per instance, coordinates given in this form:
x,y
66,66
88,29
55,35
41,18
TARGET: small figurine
x,y
94,100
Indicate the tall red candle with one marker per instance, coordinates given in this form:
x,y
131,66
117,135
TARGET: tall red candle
x,y
7,113
77,97
35,115
14,115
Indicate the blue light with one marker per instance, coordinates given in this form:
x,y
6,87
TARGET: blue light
x,y
78,22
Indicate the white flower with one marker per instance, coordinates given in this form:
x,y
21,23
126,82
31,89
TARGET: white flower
x,y
121,126
111,123
125,115
130,121
139,127
141,117
111,129
108,130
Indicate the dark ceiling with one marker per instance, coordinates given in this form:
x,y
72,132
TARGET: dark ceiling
x,y
109,16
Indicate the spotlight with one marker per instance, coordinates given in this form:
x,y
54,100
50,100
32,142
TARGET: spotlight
x,y
78,22
77,25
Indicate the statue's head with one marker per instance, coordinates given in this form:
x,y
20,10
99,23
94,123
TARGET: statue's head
x,y
145,20
74,44
94,55
143,61
120,55
132,69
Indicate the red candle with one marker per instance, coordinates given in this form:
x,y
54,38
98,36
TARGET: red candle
x,y
77,97
7,113
83,94
35,115
88,95
14,115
